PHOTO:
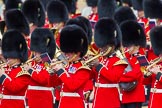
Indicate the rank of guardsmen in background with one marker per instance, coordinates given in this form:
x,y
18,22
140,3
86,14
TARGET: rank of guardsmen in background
x,y
109,55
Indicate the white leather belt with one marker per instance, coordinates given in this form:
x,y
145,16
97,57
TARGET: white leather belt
x,y
155,90
40,88
106,85
68,94
11,97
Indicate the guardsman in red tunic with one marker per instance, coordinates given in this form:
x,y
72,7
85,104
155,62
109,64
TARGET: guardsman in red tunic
x,y
39,93
152,10
133,39
14,80
57,15
34,12
92,49
74,44
109,68
155,69
144,21
15,19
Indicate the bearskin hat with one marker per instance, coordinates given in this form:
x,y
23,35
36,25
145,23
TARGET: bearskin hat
x,y
73,39
124,13
137,4
156,39
14,45
152,8
71,5
106,8
107,32
34,12
92,3
12,4
57,12
42,40
84,24
132,34
15,19
89,27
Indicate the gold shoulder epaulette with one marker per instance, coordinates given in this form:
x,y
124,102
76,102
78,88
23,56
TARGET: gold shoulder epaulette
x,y
22,73
120,62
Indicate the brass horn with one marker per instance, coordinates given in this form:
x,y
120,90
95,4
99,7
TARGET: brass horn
x,y
88,62
154,62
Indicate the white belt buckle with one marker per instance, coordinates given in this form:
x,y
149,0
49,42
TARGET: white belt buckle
x,y
1,96
61,94
154,90
97,85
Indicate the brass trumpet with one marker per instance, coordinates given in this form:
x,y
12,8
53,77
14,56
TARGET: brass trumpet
x,y
154,62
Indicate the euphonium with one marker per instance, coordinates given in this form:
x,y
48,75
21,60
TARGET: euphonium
x,y
154,62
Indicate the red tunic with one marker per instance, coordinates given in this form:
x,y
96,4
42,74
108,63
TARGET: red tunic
x,y
14,83
73,81
109,73
75,15
93,18
146,27
47,24
138,93
37,94
28,46
155,98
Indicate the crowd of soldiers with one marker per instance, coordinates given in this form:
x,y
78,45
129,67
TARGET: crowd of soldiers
x,y
108,55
